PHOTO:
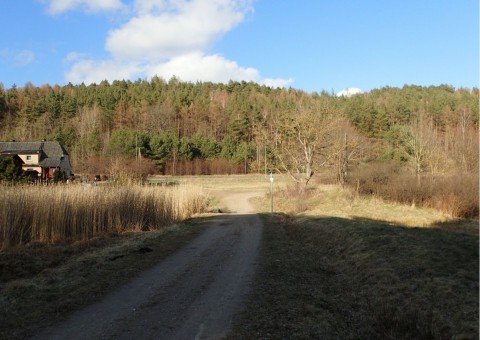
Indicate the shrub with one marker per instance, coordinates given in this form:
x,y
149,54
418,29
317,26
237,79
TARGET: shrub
x,y
293,199
368,179
455,194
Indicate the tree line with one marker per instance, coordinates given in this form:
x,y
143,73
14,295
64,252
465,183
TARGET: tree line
x,y
166,126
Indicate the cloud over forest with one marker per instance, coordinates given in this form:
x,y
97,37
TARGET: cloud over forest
x,y
164,38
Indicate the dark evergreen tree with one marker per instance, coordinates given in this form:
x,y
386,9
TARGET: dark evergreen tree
x,y
11,169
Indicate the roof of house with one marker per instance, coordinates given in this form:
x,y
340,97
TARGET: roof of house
x,y
52,149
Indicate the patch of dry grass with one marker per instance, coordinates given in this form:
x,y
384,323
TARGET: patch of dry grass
x,y
455,193
335,201
343,202
74,212
343,266
237,183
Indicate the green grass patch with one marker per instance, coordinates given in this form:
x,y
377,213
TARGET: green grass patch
x,y
42,283
338,278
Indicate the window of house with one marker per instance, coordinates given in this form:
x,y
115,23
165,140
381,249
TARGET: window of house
x,y
29,158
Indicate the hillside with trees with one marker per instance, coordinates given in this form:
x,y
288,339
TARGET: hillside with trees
x,y
174,127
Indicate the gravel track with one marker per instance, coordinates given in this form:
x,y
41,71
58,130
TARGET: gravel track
x,y
193,294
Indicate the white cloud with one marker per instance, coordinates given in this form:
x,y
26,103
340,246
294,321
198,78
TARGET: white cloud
x,y
144,7
169,38
16,58
196,66
348,92
72,57
90,71
279,82
24,57
60,6
183,27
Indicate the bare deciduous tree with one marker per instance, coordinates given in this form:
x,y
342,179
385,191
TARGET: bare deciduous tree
x,y
416,142
300,138
348,147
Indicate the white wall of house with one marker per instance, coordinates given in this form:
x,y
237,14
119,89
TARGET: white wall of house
x,y
30,159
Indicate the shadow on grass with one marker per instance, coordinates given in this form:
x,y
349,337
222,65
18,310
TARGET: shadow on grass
x,y
468,226
336,278
317,278
461,225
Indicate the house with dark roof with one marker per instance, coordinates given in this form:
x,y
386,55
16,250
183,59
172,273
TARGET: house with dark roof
x,y
40,159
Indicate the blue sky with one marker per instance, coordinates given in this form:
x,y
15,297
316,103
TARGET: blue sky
x,y
312,45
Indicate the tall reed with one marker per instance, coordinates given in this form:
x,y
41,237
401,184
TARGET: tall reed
x,y
74,212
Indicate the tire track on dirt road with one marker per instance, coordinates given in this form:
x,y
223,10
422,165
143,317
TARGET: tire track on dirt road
x,y
193,294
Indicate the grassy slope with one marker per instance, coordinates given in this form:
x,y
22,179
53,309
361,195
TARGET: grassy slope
x,y
330,274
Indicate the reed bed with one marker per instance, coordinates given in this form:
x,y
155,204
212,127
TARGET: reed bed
x,y
73,212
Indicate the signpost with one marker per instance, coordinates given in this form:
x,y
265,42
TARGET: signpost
x,y
271,192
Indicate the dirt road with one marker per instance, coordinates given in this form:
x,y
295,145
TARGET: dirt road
x,y
193,294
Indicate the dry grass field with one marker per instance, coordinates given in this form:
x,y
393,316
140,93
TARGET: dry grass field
x,y
333,264
62,213
339,266
236,183
335,201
